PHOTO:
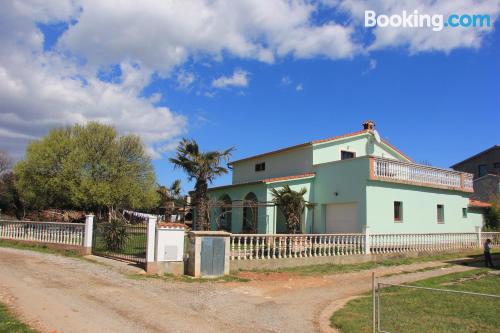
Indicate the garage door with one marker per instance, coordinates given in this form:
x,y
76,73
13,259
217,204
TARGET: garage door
x,y
341,218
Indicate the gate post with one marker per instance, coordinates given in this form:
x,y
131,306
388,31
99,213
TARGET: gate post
x,y
87,236
151,266
479,237
367,239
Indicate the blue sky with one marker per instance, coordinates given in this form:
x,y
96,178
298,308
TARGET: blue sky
x,y
256,75
438,108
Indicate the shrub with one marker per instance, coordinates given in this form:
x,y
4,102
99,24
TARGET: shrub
x,y
115,235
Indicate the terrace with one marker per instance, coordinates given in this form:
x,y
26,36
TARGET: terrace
x,y
393,171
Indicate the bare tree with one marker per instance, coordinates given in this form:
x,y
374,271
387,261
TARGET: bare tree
x,y
5,161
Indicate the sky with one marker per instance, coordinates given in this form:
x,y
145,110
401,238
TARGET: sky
x,y
255,75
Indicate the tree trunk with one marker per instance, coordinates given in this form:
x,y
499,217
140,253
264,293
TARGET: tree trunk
x,y
201,205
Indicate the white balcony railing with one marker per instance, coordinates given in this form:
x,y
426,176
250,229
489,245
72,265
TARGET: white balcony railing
x,y
402,172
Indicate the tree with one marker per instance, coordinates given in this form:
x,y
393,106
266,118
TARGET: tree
x,y
204,167
87,167
292,204
169,196
492,215
9,196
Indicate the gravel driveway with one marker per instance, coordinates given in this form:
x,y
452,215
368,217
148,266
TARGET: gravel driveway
x,y
61,294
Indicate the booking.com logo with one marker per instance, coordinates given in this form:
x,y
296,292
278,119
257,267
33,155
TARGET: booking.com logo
x,y
416,20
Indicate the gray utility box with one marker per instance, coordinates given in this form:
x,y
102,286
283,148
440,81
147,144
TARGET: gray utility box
x,y
208,253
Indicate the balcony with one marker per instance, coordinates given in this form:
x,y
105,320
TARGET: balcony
x,y
421,175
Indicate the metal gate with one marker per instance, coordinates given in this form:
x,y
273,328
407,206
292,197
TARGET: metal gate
x,y
132,246
212,256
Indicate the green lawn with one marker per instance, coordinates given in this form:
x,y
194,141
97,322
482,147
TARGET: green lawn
x,y
10,324
134,246
324,269
416,311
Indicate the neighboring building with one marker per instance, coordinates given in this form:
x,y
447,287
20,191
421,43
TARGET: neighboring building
x,y
486,169
481,164
352,181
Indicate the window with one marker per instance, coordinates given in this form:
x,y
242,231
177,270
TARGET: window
x,y
481,170
345,155
260,166
464,212
440,213
496,165
398,211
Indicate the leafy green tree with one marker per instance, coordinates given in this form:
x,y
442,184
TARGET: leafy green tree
x,y
292,204
87,167
10,202
492,215
169,197
204,167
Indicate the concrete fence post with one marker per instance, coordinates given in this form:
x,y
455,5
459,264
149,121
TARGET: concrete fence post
x,y
151,266
479,237
87,236
367,239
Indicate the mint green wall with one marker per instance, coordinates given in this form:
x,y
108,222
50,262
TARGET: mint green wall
x,y
275,216
348,178
419,209
362,145
239,193
475,216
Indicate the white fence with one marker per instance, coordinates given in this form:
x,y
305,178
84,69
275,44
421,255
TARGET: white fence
x,y
43,232
263,246
415,173
400,243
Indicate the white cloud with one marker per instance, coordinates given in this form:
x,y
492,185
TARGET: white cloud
x,y
286,80
185,79
299,87
372,64
238,79
41,90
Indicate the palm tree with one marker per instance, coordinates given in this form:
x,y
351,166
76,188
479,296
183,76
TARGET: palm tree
x,y
169,196
292,205
204,167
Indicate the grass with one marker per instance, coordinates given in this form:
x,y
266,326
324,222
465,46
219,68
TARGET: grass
x,y
188,279
324,269
43,248
412,310
9,323
135,245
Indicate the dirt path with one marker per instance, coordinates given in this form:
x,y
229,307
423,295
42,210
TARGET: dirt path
x,y
62,294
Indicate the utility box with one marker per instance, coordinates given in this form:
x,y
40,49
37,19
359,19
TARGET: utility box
x,y
169,252
208,253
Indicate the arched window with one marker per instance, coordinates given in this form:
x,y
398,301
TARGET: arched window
x,y
224,214
250,213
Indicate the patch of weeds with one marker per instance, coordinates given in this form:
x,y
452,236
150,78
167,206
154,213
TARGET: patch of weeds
x,y
9,323
188,279
42,248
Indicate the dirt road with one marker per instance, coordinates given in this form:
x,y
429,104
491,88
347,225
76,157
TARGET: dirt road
x,y
61,294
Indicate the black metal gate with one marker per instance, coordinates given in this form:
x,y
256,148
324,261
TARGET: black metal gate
x,y
126,241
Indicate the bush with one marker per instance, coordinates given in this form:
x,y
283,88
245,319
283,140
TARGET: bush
x,y
115,235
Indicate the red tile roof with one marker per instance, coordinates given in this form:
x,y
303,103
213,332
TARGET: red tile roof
x,y
278,179
316,142
480,204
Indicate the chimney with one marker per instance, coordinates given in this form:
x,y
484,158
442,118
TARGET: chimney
x,y
369,125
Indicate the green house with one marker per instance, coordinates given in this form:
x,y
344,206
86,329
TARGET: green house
x,y
353,181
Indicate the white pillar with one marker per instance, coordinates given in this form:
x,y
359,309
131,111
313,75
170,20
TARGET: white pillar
x,y
151,245
367,239
87,237
479,236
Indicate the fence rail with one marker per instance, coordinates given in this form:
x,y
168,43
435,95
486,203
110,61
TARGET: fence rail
x,y
400,243
278,246
263,246
43,232
392,170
